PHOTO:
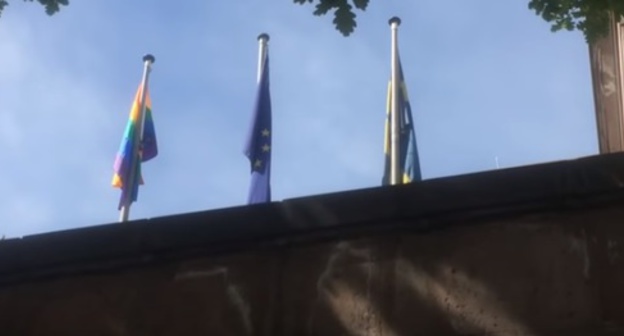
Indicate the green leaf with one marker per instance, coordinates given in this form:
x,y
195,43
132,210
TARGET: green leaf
x,y
361,4
3,4
344,18
323,7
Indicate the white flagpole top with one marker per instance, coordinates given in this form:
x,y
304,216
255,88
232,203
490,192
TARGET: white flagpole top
x,y
394,21
264,36
149,58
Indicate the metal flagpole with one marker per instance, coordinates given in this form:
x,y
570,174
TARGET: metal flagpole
x,y
263,39
395,152
148,60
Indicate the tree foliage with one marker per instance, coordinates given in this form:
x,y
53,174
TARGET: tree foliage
x,y
344,17
591,17
51,6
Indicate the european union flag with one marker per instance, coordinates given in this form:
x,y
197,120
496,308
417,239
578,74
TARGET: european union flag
x,y
258,148
409,161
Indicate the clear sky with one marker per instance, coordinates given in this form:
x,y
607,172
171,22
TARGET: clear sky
x,y
486,79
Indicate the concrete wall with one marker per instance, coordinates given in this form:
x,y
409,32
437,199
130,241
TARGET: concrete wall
x,y
554,273
607,67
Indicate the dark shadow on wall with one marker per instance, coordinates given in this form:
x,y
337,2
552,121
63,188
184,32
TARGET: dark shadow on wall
x,y
528,276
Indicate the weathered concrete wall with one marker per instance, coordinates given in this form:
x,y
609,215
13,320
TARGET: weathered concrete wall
x,y
540,274
607,66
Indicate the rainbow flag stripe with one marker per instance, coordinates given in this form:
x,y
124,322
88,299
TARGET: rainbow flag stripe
x,y
148,149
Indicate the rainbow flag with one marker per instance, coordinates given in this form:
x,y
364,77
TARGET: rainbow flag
x,y
147,149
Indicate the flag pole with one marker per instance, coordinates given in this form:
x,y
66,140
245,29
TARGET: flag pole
x,y
395,169
148,60
263,39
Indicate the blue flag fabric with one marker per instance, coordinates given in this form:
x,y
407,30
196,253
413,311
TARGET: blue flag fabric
x,y
258,148
409,161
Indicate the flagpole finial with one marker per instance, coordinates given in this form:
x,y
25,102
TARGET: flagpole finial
x,y
149,58
264,36
394,19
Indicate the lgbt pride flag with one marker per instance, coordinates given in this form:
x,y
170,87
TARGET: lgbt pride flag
x,y
138,145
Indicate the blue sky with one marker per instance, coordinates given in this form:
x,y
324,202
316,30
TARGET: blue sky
x,y
486,79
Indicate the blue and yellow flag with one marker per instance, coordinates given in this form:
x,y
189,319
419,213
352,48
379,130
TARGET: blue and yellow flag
x,y
409,162
258,148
